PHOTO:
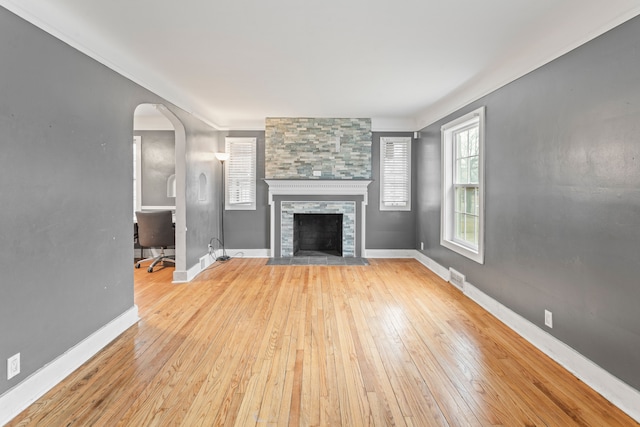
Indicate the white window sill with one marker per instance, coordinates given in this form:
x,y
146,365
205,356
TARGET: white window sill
x,y
477,256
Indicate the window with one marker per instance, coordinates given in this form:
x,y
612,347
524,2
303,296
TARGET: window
x,y
240,174
395,173
462,221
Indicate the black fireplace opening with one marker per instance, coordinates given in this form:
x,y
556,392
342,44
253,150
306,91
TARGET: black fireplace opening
x,y
317,234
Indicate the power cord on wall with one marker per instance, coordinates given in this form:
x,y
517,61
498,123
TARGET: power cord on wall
x,y
214,258
212,252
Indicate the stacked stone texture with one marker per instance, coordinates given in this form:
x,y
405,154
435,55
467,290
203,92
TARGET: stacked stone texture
x,y
338,148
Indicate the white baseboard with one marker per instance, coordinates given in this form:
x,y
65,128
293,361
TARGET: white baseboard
x,y
206,260
180,276
36,385
197,269
249,253
389,253
187,276
610,387
444,273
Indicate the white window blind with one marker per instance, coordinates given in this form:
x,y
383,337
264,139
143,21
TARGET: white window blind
x,y
395,173
241,174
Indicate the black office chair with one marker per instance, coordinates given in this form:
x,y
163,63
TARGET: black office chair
x,y
155,230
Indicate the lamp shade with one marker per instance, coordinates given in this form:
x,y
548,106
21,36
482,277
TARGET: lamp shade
x,y
223,157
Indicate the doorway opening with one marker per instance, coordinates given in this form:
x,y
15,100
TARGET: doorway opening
x,y
161,188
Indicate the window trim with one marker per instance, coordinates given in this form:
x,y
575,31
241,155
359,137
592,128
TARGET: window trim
x,y
447,209
236,206
137,173
409,141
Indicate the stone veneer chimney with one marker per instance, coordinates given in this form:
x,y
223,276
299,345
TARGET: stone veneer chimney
x,y
317,148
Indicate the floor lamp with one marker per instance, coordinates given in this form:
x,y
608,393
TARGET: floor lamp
x,y
224,257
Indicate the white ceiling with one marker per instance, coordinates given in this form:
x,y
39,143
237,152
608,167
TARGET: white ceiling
x,y
403,63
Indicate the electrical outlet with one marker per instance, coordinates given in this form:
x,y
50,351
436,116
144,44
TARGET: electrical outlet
x,y
13,366
422,246
548,318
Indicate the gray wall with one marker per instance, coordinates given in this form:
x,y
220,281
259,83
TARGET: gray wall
x,y
202,214
66,126
390,229
158,162
385,230
249,229
562,199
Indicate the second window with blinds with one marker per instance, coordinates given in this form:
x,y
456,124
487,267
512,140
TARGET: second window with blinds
x,y
395,173
240,174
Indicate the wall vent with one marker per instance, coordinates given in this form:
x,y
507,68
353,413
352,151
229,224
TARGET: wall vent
x,y
456,278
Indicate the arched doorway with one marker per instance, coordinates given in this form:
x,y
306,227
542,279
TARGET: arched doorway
x,y
157,117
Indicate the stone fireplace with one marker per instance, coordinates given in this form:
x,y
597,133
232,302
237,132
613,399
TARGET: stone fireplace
x,y
317,166
289,198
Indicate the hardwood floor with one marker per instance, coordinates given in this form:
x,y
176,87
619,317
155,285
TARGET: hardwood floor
x,y
249,344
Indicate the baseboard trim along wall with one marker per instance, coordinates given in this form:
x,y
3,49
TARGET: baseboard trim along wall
x,y
389,253
207,259
249,253
36,385
610,387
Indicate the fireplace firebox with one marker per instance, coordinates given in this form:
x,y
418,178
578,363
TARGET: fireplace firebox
x,y
319,234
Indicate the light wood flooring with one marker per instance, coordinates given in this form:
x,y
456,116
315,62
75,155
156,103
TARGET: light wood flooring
x,y
247,344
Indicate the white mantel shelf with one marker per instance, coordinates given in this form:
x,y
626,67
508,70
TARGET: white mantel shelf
x,y
317,187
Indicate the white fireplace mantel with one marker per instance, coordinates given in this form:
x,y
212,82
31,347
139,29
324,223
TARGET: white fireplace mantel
x,y
317,187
